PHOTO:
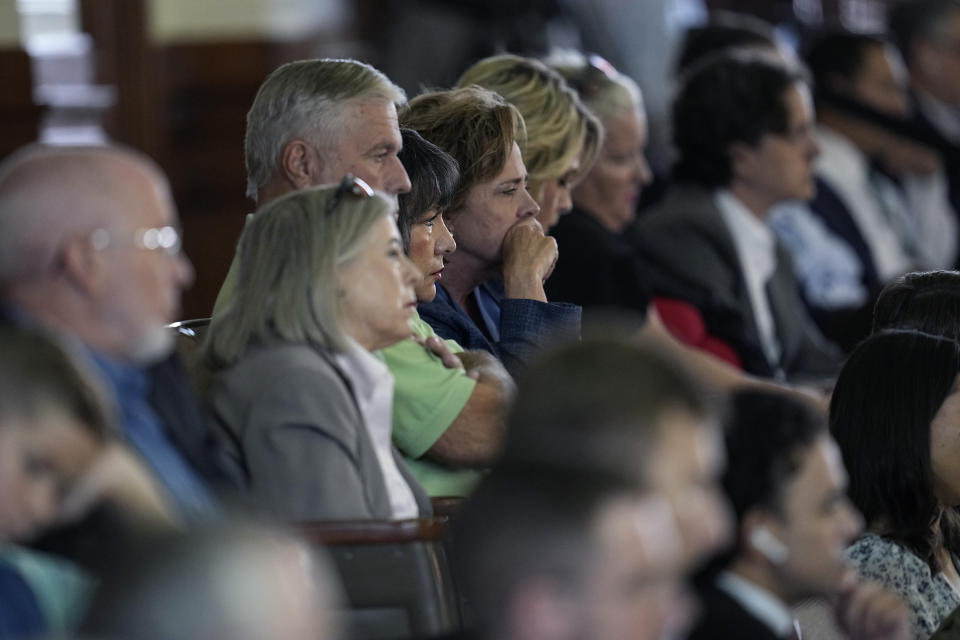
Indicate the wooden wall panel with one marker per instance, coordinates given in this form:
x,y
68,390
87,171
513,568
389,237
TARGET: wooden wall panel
x,y
185,105
19,116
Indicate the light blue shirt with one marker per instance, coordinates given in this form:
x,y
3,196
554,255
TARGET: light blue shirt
x,y
144,431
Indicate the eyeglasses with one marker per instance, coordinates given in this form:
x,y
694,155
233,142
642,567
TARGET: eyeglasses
x,y
350,185
166,239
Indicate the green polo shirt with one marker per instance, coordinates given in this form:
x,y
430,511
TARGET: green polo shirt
x,y
427,398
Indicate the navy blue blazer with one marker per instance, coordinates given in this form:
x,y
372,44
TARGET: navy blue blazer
x,y
526,326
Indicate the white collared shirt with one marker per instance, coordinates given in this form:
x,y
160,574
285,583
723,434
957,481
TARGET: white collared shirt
x,y
756,249
847,170
373,387
760,603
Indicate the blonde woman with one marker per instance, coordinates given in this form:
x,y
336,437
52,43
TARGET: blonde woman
x,y
563,137
304,404
598,268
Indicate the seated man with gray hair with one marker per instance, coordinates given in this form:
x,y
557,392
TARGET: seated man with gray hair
x,y
311,123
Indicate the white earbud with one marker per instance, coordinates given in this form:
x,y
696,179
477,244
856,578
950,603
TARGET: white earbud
x,y
769,545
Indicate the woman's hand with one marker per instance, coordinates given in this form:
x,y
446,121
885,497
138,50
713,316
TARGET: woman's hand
x,y
528,260
867,610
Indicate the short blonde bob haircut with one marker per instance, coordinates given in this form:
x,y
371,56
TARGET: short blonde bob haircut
x,y
475,126
560,128
289,256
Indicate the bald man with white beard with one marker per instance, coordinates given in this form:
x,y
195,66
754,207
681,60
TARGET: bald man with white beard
x,y
90,249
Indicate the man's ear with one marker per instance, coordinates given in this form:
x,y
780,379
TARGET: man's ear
x,y
300,164
84,266
741,159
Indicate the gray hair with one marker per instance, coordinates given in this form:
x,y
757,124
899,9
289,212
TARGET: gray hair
x,y
604,90
305,99
289,256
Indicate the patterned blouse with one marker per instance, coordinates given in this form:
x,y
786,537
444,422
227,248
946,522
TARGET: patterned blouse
x,y
930,598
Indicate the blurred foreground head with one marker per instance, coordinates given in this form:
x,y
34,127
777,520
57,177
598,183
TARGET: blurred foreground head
x,y
615,407
237,581
53,424
548,554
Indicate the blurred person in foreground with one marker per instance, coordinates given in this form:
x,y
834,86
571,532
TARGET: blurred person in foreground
x,y
240,581
90,249
58,457
786,481
546,553
605,498
613,407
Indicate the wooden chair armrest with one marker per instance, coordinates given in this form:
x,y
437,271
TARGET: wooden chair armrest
x,y
447,506
336,532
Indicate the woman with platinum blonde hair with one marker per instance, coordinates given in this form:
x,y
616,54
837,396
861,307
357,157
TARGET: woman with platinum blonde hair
x,y
299,396
597,267
563,137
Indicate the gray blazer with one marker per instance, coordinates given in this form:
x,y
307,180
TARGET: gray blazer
x,y
289,417
693,258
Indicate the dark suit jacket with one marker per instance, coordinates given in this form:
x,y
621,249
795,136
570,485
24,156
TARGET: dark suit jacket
x,y
693,258
526,326
722,618
597,269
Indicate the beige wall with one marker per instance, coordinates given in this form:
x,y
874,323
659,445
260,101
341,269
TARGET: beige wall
x,y
190,20
9,24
